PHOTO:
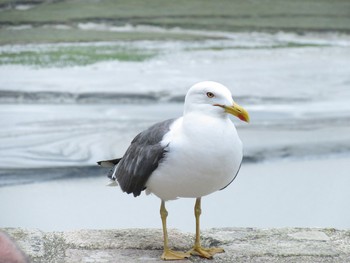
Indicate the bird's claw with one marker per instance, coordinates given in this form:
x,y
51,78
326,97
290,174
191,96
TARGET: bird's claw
x,y
205,252
169,254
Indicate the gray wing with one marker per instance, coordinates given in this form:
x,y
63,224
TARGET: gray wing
x,y
141,158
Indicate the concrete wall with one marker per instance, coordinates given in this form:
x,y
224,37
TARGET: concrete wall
x,y
145,245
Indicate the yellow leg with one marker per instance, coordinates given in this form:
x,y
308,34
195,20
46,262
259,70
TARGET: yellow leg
x,y
169,254
197,249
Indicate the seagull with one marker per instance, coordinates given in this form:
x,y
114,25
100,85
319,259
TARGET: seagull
x,y
187,157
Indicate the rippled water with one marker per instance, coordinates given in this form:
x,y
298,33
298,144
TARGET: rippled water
x,y
53,119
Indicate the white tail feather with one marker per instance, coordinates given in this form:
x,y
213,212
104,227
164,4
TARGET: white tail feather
x,y
112,183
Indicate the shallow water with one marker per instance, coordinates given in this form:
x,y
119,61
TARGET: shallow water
x,y
296,147
290,193
79,135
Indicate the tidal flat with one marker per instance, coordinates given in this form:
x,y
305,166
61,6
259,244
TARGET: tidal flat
x,y
79,80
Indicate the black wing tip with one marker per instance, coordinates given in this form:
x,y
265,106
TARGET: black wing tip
x,y
109,163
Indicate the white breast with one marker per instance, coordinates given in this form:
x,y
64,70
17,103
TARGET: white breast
x,y
204,155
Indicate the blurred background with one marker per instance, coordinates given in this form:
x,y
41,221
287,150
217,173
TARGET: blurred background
x,y
79,79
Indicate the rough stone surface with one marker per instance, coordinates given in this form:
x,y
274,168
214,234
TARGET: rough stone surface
x,y
145,245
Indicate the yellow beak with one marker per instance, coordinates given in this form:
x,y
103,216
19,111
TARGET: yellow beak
x,y
237,111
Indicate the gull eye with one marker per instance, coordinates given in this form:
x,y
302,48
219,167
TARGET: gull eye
x,y
210,95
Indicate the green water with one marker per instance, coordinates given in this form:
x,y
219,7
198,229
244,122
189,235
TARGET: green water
x,y
91,22
62,56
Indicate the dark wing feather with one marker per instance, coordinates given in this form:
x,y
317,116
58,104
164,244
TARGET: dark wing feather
x,y
141,158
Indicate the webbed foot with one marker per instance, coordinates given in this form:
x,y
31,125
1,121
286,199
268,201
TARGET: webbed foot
x,y
205,252
169,254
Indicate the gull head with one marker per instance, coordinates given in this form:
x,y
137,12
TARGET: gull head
x,y
212,98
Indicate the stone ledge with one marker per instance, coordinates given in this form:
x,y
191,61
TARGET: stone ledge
x,y
145,245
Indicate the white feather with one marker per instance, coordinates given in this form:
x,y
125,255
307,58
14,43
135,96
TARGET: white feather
x,y
112,183
204,150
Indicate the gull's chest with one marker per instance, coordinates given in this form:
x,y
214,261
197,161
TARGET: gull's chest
x,y
212,148
198,162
